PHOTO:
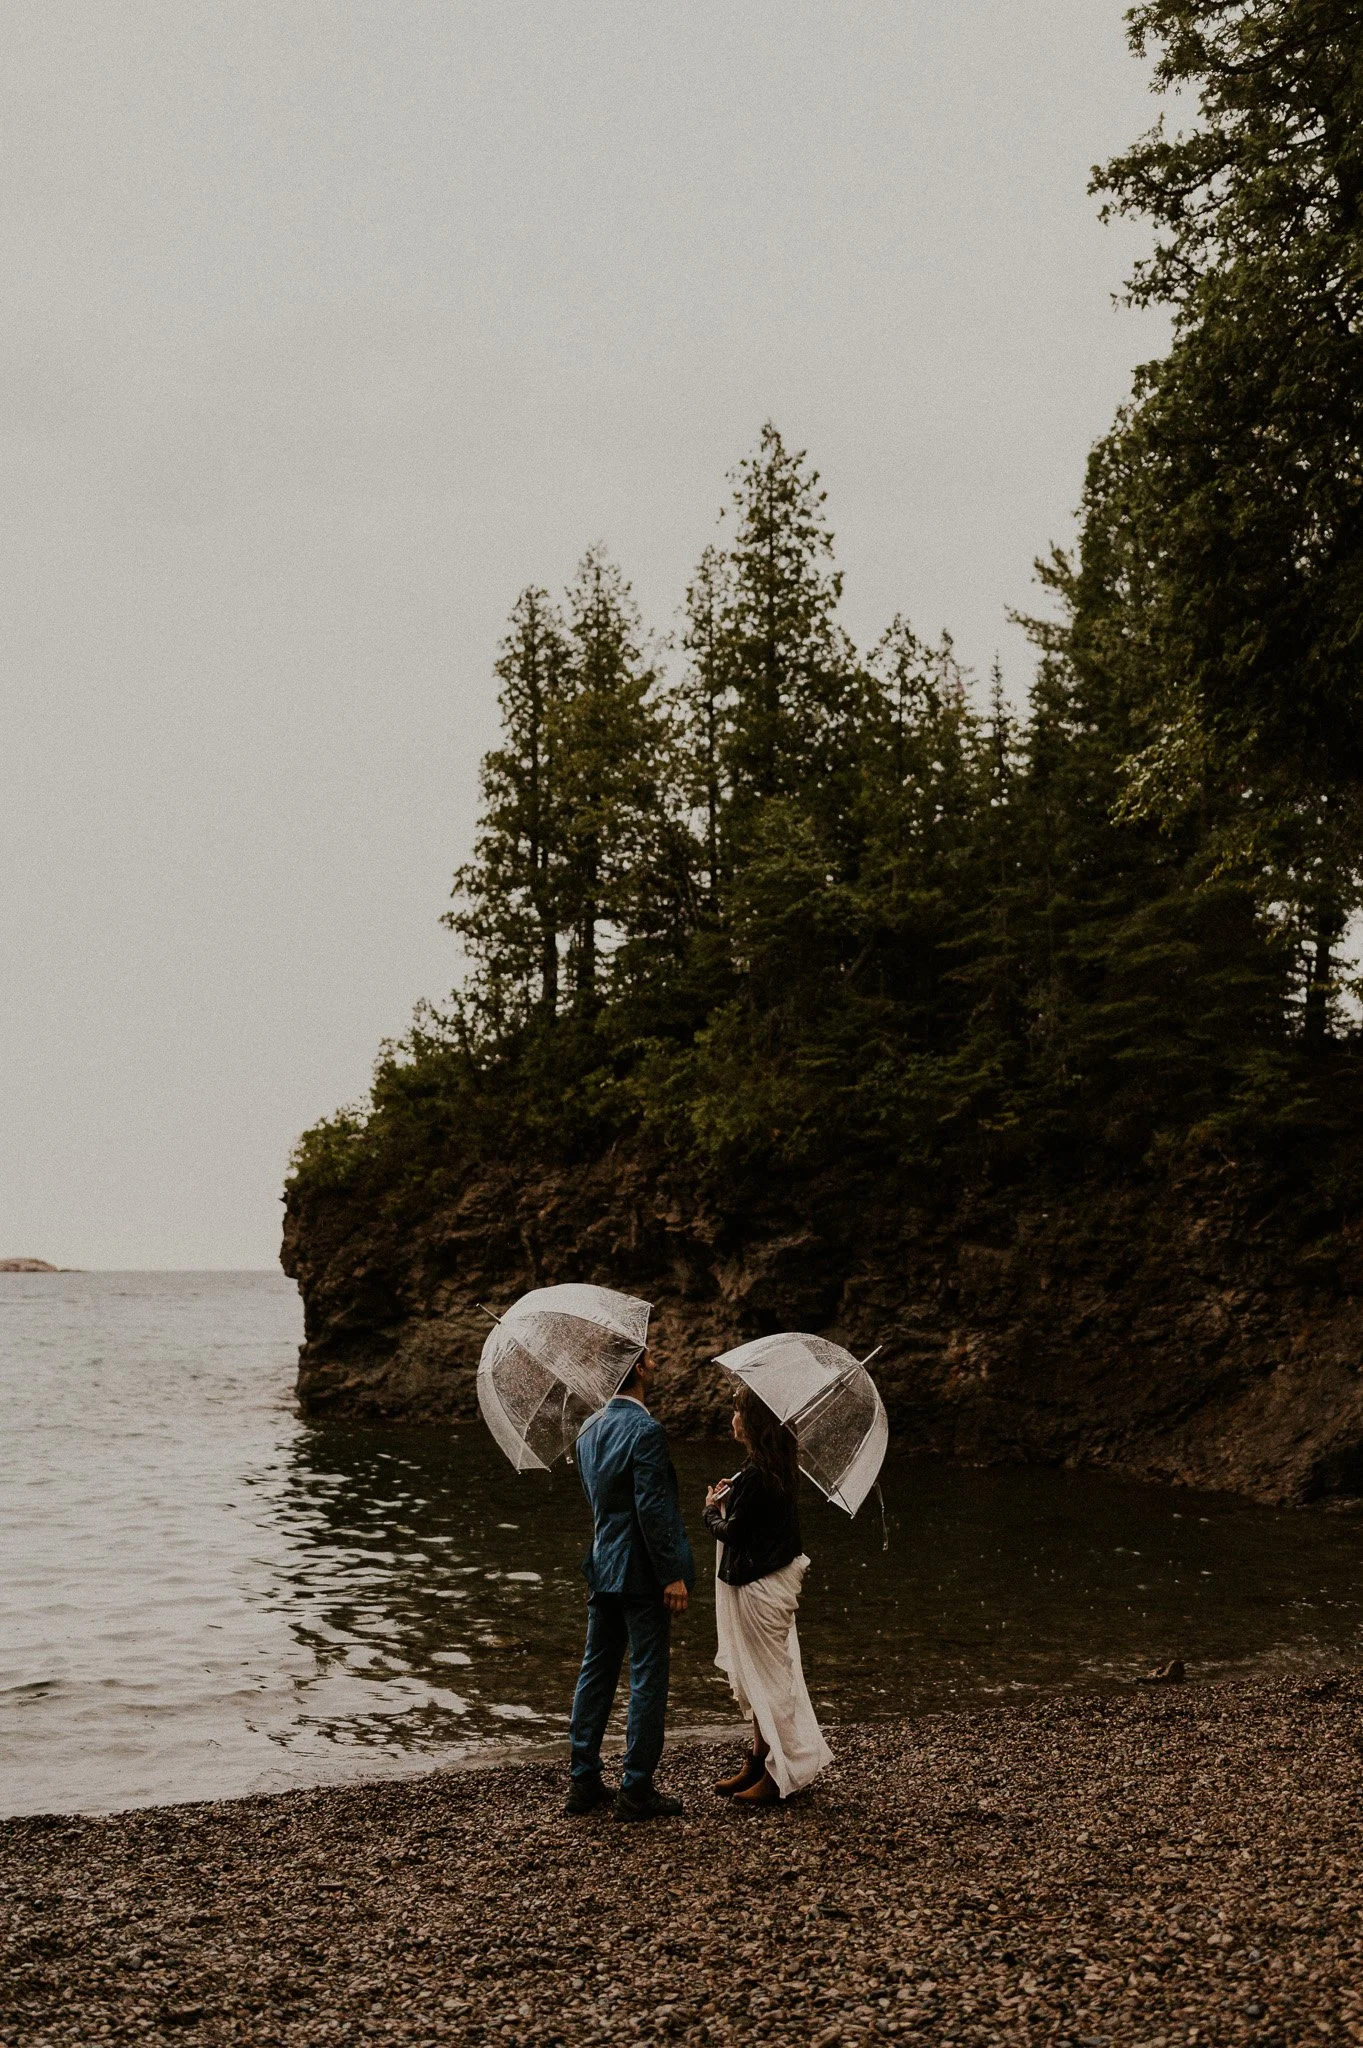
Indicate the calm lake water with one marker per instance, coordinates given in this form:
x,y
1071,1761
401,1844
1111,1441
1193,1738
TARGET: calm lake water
x,y
203,1595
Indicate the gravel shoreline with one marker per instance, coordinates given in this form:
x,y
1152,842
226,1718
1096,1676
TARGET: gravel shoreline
x,y
1163,1868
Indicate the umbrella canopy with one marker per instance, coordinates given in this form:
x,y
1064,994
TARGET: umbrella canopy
x,y
554,1358
829,1401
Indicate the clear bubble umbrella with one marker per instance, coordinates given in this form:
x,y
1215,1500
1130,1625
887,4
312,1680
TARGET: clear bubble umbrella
x,y
829,1402
554,1358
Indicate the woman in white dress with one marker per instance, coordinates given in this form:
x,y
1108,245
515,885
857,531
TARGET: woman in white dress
x,y
760,1567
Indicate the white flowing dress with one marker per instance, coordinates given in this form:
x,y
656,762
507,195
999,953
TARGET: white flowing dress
x,y
759,1652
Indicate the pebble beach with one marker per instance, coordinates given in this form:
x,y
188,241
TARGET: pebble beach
x,y
1178,1866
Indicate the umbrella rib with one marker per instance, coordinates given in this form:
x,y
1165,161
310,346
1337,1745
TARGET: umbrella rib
x,y
819,1400
556,1390
562,1352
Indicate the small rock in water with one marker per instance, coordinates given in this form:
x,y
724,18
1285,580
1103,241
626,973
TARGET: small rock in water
x,y
1171,1673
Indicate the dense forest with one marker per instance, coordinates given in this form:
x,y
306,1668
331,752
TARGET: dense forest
x,y
753,899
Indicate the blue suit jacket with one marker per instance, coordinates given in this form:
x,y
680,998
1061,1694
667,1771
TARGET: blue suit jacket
x,y
639,1543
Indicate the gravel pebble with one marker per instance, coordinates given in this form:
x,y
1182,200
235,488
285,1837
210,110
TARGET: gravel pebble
x,y
1138,1871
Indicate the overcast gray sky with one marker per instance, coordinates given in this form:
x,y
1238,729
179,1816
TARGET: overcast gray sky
x,y
329,325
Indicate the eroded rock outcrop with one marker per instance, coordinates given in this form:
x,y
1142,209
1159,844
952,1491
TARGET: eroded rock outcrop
x,y
1184,1331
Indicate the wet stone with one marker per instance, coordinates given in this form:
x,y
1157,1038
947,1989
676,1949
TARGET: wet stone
x,y
983,1879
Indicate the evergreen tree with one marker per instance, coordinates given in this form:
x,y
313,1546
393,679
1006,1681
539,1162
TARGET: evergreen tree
x,y
611,757
1223,536
511,897
920,801
781,650
810,907
702,706
993,937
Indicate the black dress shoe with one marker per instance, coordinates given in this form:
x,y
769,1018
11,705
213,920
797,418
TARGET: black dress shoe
x,y
585,1795
645,1805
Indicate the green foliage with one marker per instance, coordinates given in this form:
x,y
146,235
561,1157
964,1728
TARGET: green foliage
x,y
1221,583
791,905
331,1152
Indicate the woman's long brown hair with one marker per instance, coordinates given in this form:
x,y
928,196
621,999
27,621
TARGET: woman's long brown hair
x,y
772,1445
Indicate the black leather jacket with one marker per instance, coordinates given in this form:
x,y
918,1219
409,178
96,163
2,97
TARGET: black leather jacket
x,y
759,1526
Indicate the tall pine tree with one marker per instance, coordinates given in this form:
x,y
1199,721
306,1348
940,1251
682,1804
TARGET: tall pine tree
x,y
511,898
611,759
1223,537
788,663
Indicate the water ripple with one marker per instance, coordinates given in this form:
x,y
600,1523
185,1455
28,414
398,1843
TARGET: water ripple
x,y
205,1596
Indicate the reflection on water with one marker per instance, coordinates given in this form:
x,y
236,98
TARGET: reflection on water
x,y
205,1595
422,1552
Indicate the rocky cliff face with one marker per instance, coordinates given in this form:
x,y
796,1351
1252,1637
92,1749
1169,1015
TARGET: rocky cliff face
x,y
1183,1332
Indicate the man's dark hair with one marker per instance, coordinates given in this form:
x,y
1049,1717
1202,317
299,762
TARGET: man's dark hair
x,y
631,1379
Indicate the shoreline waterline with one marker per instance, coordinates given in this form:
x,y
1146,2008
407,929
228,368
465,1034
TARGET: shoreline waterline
x,y
1178,1866
206,1597
489,1756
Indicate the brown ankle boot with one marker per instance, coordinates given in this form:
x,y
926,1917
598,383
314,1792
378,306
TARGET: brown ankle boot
x,y
765,1792
748,1774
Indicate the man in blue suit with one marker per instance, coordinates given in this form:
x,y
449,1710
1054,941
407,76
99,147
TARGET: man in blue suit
x,y
639,1574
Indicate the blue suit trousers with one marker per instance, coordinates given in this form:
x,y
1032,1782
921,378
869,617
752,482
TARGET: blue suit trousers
x,y
616,1621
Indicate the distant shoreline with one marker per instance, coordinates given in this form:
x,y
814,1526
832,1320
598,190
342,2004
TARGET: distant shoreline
x,y
110,1272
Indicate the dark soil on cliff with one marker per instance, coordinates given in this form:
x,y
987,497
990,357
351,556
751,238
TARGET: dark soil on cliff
x,y
1176,1869
1202,1329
